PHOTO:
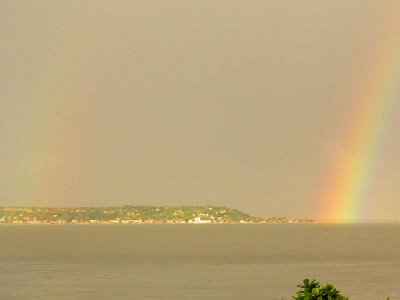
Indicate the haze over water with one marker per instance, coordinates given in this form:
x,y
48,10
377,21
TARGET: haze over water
x,y
276,108
196,261
244,104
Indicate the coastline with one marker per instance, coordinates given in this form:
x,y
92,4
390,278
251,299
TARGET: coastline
x,y
136,214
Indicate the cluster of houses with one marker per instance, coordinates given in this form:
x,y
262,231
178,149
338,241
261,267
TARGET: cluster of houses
x,y
195,220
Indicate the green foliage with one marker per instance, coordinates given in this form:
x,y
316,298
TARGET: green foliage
x,y
124,214
132,214
312,290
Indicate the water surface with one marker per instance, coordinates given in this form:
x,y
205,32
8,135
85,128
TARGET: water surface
x,y
244,261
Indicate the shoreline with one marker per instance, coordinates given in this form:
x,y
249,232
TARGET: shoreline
x,y
163,223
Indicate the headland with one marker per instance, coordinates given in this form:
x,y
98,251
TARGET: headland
x,y
134,214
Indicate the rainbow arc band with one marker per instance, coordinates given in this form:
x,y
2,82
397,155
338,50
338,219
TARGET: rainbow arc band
x,y
346,185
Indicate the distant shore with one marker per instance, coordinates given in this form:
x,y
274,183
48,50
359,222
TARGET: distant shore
x,y
135,214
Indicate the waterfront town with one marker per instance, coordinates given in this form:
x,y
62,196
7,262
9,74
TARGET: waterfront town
x,y
130,214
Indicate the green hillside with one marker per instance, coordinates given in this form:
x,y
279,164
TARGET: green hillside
x,y
129,214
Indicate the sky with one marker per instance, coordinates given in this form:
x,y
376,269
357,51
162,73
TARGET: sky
x,y
234,103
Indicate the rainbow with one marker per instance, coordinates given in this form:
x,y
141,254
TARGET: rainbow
x,y
48,140
344,195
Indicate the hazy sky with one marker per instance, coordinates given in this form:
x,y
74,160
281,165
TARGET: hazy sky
x,y
236,103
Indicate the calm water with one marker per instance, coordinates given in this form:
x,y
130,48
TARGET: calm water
x,y
196,261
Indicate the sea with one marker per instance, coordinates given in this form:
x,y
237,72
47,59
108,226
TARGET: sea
x,y
197,261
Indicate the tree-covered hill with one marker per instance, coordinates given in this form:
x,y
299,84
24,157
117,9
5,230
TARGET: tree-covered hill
x,y
130,214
